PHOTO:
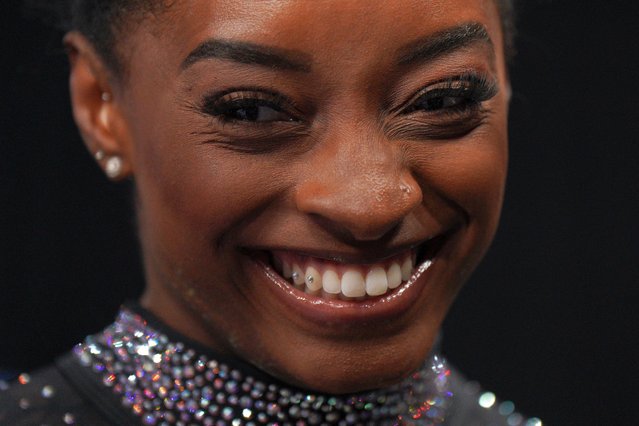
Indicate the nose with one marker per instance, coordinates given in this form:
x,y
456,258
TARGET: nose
x,y
360,189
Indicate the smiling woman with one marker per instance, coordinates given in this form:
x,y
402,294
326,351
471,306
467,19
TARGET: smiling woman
x,y
314,183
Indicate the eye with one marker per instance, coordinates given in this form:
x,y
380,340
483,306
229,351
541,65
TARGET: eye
x,y
447,109
243,106
437,100
457,94
253,110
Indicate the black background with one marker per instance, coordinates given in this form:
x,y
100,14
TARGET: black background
x,y
548,320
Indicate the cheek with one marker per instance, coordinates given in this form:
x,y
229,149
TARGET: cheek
x,y
469,176
478,172
199,192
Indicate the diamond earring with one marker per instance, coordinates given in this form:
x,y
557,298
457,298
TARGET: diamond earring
x,y
113,167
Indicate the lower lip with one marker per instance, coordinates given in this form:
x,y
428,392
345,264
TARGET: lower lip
x,y
345,312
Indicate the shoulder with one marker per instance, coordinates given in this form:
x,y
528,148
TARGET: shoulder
x,y
473,406
44,397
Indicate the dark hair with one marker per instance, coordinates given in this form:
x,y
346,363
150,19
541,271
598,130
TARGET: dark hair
x,y
103,21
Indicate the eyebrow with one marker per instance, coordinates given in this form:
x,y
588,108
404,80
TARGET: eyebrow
x,y
444,42
249,53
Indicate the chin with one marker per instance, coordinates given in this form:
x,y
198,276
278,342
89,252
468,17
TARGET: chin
x,y
350,366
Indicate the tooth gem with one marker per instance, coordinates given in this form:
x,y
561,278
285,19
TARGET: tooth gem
x,y
188,387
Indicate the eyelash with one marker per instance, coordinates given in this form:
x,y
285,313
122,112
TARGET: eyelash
x,y
221,105
467,92
470,89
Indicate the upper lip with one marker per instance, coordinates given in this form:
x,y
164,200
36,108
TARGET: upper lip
x,y
369,255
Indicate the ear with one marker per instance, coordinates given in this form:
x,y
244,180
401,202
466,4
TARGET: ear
x,y
97,108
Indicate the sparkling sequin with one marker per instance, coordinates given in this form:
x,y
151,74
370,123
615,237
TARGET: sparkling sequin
x,y
24,379
68,419
162,380
487,399
48,391
515,419
24,403
506,408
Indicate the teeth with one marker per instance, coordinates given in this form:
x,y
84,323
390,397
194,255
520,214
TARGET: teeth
x,y
353,284
394,275
376,282
297,275
407,269
313,279
331,283
315,275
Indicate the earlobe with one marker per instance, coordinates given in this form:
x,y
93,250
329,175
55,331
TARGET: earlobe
x,y
95,109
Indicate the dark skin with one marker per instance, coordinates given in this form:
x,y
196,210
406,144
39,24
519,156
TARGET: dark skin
x,y
340,158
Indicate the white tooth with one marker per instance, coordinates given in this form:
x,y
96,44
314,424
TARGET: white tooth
x,y
286,269
330,282
407,269
297,275
376,281
353,284
394,275
313,279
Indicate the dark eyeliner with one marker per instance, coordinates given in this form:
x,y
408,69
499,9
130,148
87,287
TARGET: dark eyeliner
x,y
221,103
471,88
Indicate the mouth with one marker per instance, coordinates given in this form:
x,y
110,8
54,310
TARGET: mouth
x,y
354,279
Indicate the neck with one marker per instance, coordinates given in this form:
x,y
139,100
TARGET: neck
x,y
161,375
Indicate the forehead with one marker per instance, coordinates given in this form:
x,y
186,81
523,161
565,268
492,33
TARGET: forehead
x,y
329,30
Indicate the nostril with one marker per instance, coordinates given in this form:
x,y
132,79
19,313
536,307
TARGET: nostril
x,y
365,209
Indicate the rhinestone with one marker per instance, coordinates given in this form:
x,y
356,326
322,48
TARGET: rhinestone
x,y
149,419
24,403
24,379
272,409
227,413
169,383
506,408
109,379
47,391
231,386
487,399
514,419
68,419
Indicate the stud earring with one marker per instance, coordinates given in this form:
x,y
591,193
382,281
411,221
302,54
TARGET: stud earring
x,y
99,155
106,97
113,167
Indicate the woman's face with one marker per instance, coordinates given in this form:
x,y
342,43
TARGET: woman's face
x,y
362,144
